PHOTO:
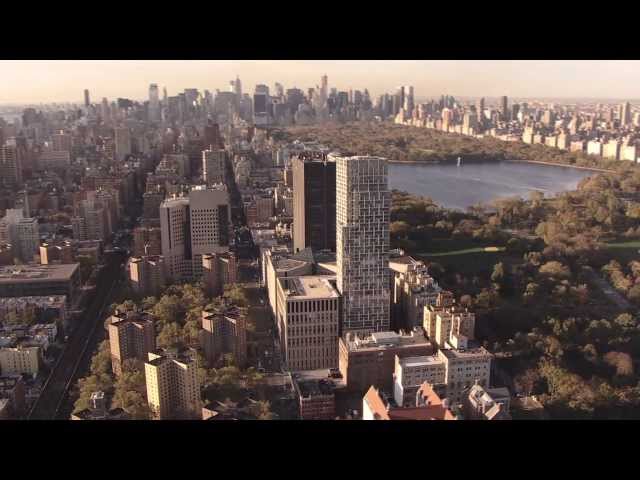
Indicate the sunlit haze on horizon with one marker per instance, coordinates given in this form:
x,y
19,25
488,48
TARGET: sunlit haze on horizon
x,y
65,80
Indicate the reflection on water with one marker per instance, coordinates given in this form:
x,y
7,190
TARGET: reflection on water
x,y
459,187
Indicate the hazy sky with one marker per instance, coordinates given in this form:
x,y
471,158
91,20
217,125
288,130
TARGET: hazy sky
x,y
65,80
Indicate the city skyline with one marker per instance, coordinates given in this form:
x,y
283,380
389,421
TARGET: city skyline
x,y
66,80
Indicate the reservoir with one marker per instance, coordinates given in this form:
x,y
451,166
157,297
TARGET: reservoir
x,y
459,187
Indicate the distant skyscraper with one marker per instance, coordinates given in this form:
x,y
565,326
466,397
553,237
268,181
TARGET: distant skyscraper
x,y
238,88
86,98
123,143
154,103
10,166
314,203
625,114
21,233
409,103
213,166
261,105
504,108
362,243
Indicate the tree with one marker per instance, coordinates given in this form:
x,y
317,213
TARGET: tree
x,y
530,292
237,294
261,410
466,301
170,336
621,361
130,392
87,266
527,381
148,303
169,309
498,273
101,361
555,269
399,229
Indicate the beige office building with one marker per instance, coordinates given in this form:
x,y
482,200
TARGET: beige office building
x,y
173,390
307,319
194,226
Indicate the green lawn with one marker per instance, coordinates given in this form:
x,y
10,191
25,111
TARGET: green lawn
x,y
624,252
462,252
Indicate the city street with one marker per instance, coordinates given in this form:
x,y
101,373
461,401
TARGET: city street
x,y
80,346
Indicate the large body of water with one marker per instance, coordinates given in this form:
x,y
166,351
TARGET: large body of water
x,y
459,187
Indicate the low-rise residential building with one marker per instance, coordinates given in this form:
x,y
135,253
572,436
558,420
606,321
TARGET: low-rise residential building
x,y
448,324
428,406
98,410
45,309
413,289
451,372
316,394
368,361
487,403
307,319
12,392
20,359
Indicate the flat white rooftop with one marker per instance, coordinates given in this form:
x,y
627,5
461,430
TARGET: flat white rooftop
x,y
311,286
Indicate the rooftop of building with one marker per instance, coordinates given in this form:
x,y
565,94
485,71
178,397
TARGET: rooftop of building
x,y
183,355
420,361
463,353
9,382
52,300
35,273
137,316
389,339
310,383
225,308
309,287
432,407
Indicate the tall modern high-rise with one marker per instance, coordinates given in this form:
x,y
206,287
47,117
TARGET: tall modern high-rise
x,y
625,113
362,242
480,109
193,226
261,105
314,203
409,102
122,143
86,98
21,233
504,108
154,103
10,166
213,166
